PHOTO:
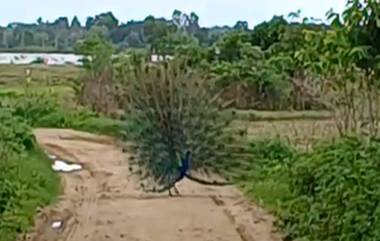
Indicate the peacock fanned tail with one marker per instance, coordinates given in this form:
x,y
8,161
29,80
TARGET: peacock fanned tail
x,y
173,110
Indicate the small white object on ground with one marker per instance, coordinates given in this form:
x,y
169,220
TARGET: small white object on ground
x,y
56,224
61,166
52,157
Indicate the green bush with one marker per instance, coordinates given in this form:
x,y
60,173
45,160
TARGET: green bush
x,y
272,153
41,109
65,118
35,106
15,134
336,193
331,193
26,178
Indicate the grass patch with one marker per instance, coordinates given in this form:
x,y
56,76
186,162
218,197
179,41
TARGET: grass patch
x,y
101,125
268,192
27,183
265,180
63,93
302,134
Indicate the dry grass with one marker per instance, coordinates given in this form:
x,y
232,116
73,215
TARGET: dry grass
x,y
253,115
300,133
14,74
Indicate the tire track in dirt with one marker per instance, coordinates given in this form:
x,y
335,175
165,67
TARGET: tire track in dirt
x,y
102,202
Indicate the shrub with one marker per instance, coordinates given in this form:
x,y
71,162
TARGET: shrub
x,y
34,106
26,178
41,109
336,193
272,153
15,134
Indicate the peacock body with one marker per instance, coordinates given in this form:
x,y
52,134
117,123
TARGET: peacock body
x,y
175,118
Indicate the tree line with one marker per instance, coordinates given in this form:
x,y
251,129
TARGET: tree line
x,y
62,34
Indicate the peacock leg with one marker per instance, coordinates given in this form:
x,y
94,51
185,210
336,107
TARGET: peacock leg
x,y
170,193
177,191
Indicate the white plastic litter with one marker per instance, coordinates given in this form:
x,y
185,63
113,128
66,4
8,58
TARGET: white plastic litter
x,y
56,224
61,166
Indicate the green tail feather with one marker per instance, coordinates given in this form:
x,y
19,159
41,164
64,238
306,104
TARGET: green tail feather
x,y
172,110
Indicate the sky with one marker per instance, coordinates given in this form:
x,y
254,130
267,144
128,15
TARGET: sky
x,y
210,12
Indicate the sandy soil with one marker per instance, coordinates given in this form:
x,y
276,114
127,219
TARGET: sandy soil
x,y
102,202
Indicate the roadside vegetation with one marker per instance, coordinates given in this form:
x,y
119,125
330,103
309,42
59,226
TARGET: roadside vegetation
x,y
27,181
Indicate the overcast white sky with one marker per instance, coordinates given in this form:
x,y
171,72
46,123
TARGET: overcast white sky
x,y
215,12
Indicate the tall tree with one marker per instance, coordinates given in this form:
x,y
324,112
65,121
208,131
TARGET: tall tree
x,y
106,19
89,22
75,23
181,20
193,23
39,21
241,25
61,23
155,30
267,33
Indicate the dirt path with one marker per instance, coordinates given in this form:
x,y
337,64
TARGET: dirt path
x,y
101,202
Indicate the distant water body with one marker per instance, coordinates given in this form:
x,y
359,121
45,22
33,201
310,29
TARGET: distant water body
x,y
48,58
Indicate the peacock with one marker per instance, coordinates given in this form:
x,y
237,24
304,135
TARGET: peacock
x,y
178,129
